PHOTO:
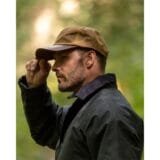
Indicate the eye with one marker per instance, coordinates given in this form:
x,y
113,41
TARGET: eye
x,y
64,57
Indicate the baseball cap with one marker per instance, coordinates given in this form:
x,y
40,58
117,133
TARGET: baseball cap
x,y
73,37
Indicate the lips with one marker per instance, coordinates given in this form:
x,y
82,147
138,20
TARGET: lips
x,y
59,78
58,75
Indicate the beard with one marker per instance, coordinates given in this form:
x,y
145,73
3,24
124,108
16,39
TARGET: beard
x,y
73,80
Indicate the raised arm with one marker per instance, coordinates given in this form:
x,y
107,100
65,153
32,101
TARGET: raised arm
x,y
44,117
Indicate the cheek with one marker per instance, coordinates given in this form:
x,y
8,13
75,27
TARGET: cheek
x,y
69,68
76,72
73,69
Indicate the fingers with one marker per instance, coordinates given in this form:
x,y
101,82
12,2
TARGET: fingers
x,y
32,65
38,68
37,72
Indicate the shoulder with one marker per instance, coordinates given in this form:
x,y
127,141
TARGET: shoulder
x,y
108,106
108,101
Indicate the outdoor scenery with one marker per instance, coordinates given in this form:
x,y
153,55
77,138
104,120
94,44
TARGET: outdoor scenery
x,y
121,24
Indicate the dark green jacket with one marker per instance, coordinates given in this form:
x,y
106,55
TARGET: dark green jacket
x,y
100,125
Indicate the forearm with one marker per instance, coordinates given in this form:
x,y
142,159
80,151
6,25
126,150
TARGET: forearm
x,y
41,113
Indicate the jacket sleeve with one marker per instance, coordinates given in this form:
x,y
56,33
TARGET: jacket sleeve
x,y
115,138
44,117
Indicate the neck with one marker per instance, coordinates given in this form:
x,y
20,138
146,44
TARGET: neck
x,y
87,80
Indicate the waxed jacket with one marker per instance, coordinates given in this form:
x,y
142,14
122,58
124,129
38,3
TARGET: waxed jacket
x,y
100,124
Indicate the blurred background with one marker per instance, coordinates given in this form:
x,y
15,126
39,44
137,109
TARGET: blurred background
x,y
121,24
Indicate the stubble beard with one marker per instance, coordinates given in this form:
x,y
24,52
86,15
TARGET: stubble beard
x,y
73,81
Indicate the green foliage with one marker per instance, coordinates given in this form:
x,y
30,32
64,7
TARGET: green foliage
x,y
120,23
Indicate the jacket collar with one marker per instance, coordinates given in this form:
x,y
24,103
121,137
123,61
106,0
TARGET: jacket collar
x,y
107,80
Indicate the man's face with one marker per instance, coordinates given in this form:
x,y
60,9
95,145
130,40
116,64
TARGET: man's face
x,y
69,70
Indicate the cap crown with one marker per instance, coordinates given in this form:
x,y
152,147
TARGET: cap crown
x,y
83,37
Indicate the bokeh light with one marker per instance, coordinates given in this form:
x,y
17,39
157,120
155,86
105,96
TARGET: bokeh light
x,y
69,7
43,25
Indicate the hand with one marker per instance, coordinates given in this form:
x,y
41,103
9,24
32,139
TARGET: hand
x,y
37,72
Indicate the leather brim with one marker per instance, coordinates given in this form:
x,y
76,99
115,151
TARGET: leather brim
x,y
48,52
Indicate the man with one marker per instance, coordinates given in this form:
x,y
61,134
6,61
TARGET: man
x,y
100,124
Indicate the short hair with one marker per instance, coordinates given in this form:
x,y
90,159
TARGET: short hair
x,y
101,58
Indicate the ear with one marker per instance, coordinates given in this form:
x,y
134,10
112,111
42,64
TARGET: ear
x,y
90,59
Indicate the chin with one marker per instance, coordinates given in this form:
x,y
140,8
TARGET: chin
x,y
72,87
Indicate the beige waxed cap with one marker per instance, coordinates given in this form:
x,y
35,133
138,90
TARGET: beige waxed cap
x,y
73,37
